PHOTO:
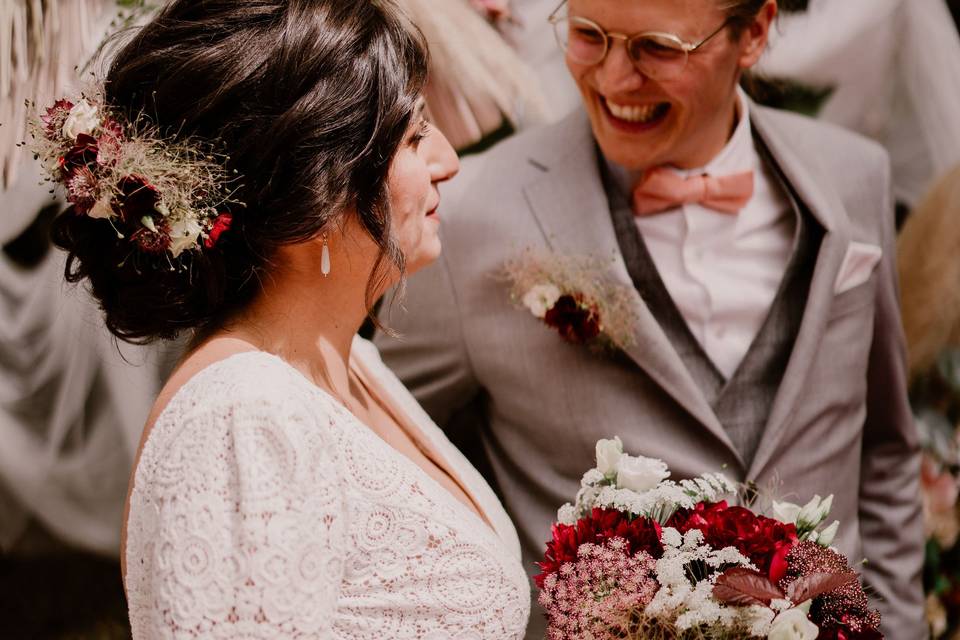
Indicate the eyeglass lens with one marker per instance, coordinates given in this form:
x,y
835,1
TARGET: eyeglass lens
x,y
655,56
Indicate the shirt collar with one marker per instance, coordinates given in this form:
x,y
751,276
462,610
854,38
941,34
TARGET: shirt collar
x,y
739,154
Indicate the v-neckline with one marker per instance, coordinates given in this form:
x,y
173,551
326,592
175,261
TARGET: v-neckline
x,y
421,440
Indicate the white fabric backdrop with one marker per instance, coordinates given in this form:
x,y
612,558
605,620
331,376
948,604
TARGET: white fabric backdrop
x,y
896,68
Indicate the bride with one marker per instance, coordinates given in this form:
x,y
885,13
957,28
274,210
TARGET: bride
x,y
287,485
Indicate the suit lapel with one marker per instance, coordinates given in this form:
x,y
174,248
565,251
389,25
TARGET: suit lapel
x,y
572,211
827,208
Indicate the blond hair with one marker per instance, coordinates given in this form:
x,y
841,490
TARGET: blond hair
x,y
929,264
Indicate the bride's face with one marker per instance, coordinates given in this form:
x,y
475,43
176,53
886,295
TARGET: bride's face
x,y
423,161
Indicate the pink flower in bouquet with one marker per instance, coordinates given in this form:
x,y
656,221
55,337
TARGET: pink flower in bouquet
x,y
639,534
598,593
765,541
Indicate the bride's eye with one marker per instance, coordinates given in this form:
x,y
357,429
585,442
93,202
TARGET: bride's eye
x,y
422,131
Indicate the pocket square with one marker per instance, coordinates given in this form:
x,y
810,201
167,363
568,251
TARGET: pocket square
x,y
858,264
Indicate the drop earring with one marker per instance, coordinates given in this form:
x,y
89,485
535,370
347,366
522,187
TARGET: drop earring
x,y
325,257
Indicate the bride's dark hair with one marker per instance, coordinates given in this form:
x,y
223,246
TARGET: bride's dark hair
x,y
309,101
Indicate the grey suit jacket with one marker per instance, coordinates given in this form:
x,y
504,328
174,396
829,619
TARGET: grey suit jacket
x,y
840,423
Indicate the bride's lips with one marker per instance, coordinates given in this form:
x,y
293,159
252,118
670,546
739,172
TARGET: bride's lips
x,y
634,118
433,211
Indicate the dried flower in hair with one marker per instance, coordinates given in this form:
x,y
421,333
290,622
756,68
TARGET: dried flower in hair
x,y
163,194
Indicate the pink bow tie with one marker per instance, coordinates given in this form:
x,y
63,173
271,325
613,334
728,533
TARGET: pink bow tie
x,y
661,189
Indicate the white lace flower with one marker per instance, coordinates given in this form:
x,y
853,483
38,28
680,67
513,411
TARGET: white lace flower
x,y
83,118
540,298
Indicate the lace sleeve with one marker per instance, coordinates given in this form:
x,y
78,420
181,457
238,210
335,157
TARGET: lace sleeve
x,y
236,525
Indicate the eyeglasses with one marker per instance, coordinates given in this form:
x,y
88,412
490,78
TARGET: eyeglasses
x,y
655,54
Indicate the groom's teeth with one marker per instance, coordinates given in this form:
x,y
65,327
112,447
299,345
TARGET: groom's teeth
x,y
633,113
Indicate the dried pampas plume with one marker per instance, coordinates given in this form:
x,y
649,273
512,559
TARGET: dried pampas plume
x,y
476,78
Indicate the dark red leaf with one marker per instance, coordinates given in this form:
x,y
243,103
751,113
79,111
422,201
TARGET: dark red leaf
x,y
740,587
816,584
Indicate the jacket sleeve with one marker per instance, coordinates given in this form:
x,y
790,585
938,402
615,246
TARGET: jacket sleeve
x,y
890,514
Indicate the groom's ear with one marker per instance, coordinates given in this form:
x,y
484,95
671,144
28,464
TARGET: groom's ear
x,y
753,40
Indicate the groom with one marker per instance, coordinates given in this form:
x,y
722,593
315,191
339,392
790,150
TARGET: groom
x,y
760,246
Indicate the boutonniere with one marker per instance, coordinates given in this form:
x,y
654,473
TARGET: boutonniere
x,y
574,296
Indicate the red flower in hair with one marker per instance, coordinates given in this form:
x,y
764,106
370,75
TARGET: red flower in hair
x,y
137,199
54,118
83,154
641,534
577,320
82,189
109,143
220,224
153,241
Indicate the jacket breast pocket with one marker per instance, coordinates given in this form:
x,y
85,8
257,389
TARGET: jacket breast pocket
x,y
853,300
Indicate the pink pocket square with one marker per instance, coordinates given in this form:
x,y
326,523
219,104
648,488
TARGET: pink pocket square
x,y
858,264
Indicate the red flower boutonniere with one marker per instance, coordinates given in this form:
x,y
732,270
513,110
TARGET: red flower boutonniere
x,y
575,297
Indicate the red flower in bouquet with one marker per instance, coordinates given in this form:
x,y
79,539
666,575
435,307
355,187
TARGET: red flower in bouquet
x,y
640,534
765,541
577,319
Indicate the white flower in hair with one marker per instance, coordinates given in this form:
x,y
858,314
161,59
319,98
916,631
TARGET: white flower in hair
x,y
84,118
184,234
102,208
541,298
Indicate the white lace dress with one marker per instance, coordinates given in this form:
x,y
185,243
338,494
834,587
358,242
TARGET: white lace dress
x,y
262,508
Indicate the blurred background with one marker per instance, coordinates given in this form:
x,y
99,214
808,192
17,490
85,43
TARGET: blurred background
x,y
73,400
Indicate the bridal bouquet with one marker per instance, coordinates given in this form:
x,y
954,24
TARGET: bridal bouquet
x,y
640,556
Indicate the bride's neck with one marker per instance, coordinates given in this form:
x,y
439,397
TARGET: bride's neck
x,y
308,320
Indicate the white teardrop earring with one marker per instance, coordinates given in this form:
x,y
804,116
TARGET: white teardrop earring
x,y
325,258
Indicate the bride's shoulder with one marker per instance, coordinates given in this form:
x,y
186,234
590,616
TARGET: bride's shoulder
x,y
247,402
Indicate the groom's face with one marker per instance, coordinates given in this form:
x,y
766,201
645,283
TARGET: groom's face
x,y
642,121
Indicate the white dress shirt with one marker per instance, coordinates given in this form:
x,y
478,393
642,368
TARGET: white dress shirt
x,y
723,271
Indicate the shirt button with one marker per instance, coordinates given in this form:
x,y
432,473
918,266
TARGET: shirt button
x,y
719,333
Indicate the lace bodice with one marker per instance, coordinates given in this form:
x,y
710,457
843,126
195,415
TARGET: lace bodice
x,y
261,508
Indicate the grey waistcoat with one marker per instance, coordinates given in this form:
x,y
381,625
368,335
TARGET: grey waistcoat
x,y
742,403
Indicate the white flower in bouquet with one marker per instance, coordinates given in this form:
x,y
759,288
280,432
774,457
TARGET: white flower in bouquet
x,y
786,512
793,624
609,453
825,537
541,298
639,473
814,512
84,118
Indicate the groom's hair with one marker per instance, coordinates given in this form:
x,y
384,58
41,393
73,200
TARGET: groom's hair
x,y
741,13
308,101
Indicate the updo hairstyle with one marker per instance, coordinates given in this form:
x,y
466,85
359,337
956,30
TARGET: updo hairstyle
x,y
308,101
